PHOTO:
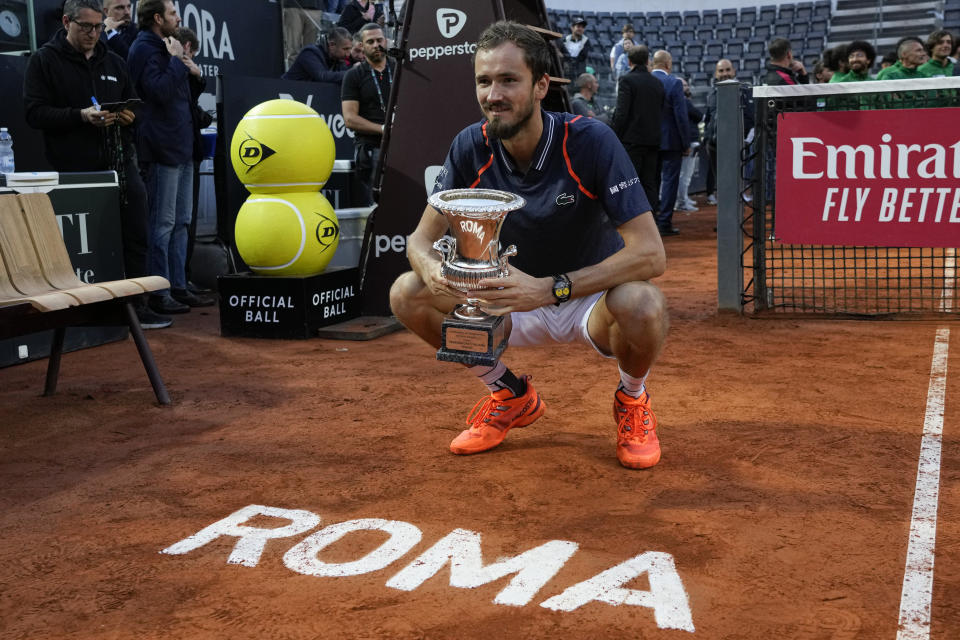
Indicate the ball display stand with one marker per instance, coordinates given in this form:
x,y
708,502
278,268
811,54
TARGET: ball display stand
x,y
290,307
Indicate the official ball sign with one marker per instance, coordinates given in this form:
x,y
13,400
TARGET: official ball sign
x,y
869,178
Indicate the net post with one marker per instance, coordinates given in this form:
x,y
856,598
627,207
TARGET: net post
x,y
729,204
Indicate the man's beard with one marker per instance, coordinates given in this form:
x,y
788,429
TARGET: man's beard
x,y
496,128
376,55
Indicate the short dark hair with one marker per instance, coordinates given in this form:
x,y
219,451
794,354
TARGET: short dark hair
x,y
370,26
71,8
628,27
639,56
779,48
146,9
534,47
890,57
185,35
865,47
934,38
339,34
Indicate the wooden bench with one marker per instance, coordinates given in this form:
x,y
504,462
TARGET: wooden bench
x,y
39,289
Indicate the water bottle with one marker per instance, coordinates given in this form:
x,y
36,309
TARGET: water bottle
x,y
6,151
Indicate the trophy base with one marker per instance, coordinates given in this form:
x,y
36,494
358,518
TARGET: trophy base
x,y
472,342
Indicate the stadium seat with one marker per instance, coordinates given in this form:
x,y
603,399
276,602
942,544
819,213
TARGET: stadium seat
x,y
668,32
715,49
816,40
782,29
728,16
748,15
818,24
723,32
655,19
710,17
762,31
803,12
734,50
709,67
704,32
743,32
687,34
785,13
757,46
751,66
675,47
605,20
672,18
768,14
695,51
691,18
821,8
951,18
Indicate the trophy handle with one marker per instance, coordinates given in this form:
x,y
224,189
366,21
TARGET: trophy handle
x,y
509,251
446,246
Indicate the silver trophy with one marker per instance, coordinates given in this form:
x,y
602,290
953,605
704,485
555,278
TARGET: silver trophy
x,y
473,253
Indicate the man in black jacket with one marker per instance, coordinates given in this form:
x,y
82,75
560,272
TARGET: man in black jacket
x,y
723,71
637,121
62,81
324,61
119,32
783,68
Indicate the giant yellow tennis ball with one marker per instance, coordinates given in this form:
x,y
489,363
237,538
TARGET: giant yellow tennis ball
x,y
289,234
282,146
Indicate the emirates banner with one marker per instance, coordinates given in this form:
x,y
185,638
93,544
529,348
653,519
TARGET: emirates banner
x,y
869,178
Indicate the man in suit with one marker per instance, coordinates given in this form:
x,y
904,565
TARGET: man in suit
x,y
675,139
637,121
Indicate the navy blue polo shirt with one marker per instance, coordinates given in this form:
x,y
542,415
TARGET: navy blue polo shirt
x,y
580,187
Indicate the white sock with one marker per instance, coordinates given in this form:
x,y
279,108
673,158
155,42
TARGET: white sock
x,y
490,376
631,386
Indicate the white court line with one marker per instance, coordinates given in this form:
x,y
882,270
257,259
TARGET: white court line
x,y
915,599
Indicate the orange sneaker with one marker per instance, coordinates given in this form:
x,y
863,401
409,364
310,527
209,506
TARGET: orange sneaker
x,y
492,417
637,443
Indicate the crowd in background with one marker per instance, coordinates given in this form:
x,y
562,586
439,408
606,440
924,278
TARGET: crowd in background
x,y
664,155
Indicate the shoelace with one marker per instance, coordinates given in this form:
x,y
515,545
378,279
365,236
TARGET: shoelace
x,y
489,409
633,415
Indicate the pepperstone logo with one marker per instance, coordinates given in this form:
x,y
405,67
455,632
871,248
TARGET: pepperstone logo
x,y
450,21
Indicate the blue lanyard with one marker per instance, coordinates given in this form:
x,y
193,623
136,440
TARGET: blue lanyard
x,y
376,83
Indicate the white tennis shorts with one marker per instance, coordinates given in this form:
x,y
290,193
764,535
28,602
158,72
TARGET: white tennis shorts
x,y
561,324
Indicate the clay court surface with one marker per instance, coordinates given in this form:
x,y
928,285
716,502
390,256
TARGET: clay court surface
x,y
784,495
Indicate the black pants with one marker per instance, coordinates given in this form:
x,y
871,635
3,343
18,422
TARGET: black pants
x,y
711,169
366,159
646,161
134,218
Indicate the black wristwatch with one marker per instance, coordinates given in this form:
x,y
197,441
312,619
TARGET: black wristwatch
x,y
561,288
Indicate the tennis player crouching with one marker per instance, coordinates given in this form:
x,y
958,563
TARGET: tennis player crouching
x,y
586,239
